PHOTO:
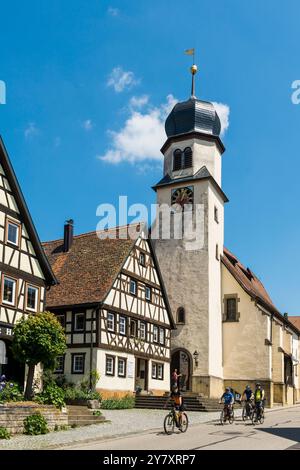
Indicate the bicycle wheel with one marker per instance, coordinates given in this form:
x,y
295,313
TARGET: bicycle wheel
x,y
222,417
254,417
184,422
169,424
231,417
262,417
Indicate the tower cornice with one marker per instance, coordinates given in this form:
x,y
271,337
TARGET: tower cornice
x,y
192,135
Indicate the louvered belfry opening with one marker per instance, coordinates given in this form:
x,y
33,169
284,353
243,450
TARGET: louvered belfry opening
x,y
182,159
188,157
177,160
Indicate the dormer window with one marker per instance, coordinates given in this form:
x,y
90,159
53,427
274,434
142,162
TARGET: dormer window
x,y
182,159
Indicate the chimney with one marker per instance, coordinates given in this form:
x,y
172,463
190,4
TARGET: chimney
x,y
68,234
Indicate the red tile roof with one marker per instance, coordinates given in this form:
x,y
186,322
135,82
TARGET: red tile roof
x,y
87,271
295,321
247,279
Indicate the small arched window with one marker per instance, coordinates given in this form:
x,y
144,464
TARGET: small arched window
x,y
177,157
188,158
181,315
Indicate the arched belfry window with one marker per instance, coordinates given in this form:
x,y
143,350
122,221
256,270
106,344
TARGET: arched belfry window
x,y
177,157
182,159
180,315
188,157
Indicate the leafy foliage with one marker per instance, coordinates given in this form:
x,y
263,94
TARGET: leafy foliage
x,y
118,403
51,395
9,391
39,338
78,394
35,424
4,433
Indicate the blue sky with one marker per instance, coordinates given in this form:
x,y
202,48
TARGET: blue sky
x,y
57,59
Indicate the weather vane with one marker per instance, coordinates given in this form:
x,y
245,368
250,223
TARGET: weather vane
x,y
193,69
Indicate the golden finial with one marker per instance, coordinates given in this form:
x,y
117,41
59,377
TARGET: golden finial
x,y
193,69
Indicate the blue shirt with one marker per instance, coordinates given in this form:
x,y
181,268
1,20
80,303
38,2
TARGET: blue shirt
x,y
228,398
248,393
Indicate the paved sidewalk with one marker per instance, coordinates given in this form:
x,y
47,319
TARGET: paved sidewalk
x,y
121,423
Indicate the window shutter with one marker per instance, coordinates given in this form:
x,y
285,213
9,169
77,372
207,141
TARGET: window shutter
x,y
177,160
188,157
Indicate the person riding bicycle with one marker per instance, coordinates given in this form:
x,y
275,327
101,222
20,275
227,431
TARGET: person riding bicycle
x,y
177,403
248,398
259,398
228,399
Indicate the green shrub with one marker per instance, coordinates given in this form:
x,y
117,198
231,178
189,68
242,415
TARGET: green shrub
x,y
79,394
9,391
4,433
35,424
51,395
118,403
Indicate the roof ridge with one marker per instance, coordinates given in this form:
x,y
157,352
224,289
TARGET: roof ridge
x,y
86,234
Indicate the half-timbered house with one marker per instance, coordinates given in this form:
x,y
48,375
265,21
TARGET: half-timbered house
x,y
112,303
24,269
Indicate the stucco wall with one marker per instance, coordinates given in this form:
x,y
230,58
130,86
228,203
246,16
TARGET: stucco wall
x,y
246,355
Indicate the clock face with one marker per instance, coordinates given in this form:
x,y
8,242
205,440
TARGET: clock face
x,y
183,196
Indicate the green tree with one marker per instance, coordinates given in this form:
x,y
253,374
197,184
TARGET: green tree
x,y
38,339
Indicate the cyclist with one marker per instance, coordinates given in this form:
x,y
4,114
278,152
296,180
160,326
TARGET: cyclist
x,y
228,399
259,397
248,397
177,403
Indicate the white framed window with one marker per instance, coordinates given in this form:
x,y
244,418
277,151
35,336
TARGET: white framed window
x,y
133,328
148,293
110,365
161,336
122,325
142,259
121,367
160,371
142,330
13,233
9,290
154,370
78,361
62,320
32,295
155,334
110,321
132,287
60,365
79,321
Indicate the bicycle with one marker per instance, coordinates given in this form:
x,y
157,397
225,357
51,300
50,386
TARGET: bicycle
x,y
172,420
247,411
258,414
227,413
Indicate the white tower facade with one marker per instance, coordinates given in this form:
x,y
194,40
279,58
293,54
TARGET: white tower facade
x,y
191,268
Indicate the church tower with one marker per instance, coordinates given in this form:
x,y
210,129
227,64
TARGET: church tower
x,y
191,188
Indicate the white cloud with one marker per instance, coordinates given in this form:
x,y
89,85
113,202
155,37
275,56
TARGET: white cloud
x,y
88,124
113,11
139,101
223,111
31,130
142,135
119,79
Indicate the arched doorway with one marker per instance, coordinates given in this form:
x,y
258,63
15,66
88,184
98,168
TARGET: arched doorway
x,y
182,361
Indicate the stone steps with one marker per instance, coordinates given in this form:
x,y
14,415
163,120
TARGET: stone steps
x,y
82,416
193,402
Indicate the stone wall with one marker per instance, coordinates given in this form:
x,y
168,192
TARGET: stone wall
x,y
12,416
